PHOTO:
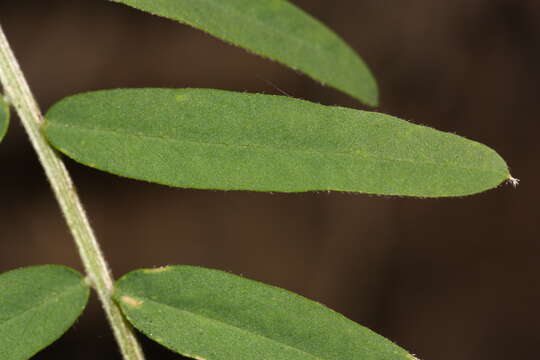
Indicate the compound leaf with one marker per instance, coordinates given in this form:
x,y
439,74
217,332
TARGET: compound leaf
x,y
37,305
278,30
213,315
4,117
214,139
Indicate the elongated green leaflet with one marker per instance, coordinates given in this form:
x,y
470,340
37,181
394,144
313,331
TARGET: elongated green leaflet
x,y
4,117
278,30
213,139
214,315
37,305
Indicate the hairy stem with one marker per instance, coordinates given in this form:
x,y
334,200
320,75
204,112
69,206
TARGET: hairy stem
x,y
19,95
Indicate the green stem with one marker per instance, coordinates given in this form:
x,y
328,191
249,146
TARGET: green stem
x,y
19,95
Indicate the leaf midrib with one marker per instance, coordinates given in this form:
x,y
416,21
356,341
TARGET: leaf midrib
x,y
257,334
352,154
68,291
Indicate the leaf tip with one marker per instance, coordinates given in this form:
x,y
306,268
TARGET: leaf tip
x,y
372,99
131,302
512,181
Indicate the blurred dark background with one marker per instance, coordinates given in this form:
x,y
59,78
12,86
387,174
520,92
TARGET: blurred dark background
x,y
446,279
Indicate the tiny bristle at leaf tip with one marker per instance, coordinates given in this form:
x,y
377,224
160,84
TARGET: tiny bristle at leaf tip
x,y
513,181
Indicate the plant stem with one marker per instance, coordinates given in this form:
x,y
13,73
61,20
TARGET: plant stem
x,y
19,95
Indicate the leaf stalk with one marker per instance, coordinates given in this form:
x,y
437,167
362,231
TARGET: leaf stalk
x,y
19,95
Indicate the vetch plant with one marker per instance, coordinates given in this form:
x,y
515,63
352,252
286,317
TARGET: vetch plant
x,y
217,139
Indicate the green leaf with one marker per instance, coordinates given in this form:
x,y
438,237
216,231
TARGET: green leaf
x,y
214,315
37,305
213,139
4,117
278,30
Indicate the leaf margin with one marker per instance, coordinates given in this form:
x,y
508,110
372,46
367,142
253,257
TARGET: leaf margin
x,y
126,301
83,292
367,92
108,94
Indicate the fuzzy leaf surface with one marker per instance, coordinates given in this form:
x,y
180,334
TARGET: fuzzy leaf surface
x,y
278,30
37,305
214,139
214,315
4,117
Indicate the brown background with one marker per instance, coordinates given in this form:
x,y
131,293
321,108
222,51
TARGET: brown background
x,y
447,279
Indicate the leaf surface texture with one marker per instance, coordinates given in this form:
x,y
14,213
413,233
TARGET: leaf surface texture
x,y
214,139
278,30
37,305
214,315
